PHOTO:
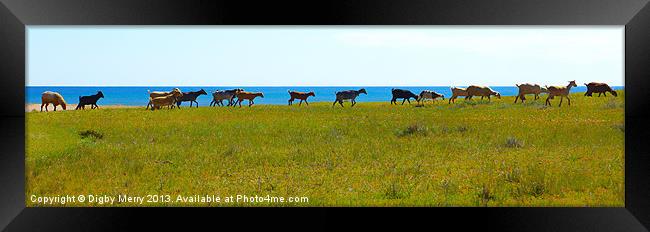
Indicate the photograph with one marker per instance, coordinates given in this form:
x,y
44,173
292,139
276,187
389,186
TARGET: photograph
x,y
325,116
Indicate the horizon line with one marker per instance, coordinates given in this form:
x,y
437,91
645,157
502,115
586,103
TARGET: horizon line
x,y
278,86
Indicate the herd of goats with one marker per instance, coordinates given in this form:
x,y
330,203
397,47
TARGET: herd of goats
x,y
174,98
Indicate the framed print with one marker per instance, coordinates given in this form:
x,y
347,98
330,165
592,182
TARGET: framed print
x,y
510,114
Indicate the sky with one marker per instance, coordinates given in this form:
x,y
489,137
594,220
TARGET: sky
x,y
323,55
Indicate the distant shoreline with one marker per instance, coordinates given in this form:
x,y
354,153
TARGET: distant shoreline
x,y
37,107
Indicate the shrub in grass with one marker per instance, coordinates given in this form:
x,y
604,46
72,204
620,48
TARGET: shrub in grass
x,y
460,129
448,186
536,188
231,151
91,134
484,195
513,175
535,184
613,104
336,133
513,142
330,164
394,191
413,129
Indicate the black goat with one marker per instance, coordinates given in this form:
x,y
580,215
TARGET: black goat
x,y
600,88
190,97
348,95
232,99
401,93
89,100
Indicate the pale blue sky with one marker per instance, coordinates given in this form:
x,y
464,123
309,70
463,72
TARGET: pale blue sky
x,y
323,55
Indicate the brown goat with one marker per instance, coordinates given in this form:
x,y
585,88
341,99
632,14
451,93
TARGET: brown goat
x,y
457,92
250,96
300,95
428,94
562,91
600,88
527,88
483,91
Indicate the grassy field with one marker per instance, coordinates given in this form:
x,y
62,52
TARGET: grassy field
x,y
464,154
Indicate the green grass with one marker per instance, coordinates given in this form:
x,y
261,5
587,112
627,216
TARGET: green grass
x,y
375,154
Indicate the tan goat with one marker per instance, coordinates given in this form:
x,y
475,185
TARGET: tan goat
x,y
561,91
241,96
55,98
168,100
156,94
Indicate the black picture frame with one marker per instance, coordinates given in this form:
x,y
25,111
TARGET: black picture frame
x,y
15,15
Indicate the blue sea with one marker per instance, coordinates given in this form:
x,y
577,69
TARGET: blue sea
x,y
138,96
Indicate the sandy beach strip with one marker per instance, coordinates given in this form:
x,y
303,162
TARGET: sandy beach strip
x,y
37,107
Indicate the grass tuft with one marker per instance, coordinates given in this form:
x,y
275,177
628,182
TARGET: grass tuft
x,y
536,183
513,142
232,150
395,191
613,104
91,134
485,195
414,129
513,175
